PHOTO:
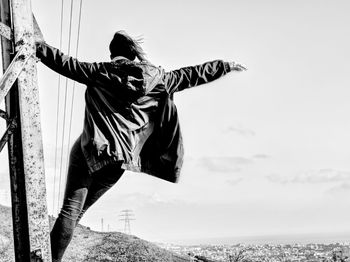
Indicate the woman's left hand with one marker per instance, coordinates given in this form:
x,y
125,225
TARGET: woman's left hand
x,y
237,67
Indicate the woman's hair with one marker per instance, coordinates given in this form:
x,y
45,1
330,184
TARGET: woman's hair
x,y
123,45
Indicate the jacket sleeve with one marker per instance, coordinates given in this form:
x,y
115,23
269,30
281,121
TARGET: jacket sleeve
x,y
85,73
191,76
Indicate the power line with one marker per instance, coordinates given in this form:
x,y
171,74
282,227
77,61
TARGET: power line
x,y
65,105
65,108
73,92
57,114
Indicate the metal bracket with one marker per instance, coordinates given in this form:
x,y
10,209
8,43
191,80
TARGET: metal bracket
x,y
4,115
13,71
6,31
36,256
8,132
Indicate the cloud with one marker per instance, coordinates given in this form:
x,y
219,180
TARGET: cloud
x,y
5,196
261,156
340,189
224,164
4,177
312,177
275,178
239,130
234,181
228,164
142,199
5,189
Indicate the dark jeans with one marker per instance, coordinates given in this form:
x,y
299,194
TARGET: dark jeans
x,y
82,191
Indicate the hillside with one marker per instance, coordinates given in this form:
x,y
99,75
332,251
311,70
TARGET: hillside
x,y
88,245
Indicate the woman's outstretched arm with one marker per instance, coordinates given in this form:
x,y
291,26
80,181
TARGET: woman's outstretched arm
x,y
65,65
191,76
102,74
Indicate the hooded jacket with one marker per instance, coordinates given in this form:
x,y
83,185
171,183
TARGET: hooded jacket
x,y
130,115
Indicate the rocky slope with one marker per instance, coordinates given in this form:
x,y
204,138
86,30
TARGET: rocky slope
x,y
88,245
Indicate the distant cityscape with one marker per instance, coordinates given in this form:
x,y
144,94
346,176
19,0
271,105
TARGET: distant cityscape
x,y
264,253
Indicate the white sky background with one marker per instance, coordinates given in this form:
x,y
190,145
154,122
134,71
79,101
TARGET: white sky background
x,y
267,150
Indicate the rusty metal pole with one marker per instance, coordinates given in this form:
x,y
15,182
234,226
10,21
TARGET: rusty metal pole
x,y
18,194
33,159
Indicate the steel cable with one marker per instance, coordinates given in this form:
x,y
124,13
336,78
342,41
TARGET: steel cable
x,y
65,105
57,115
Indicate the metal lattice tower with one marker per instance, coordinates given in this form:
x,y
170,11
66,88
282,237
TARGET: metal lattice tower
x,y
126,216
18,86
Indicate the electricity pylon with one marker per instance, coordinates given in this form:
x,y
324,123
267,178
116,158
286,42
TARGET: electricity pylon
x,y
126,216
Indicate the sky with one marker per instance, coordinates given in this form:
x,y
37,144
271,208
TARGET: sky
x,y
266,150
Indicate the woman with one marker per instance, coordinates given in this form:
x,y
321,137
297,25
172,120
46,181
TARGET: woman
x,y
131,123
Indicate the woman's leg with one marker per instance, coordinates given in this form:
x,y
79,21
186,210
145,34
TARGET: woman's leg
x,y
82,190
102,180
78,183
